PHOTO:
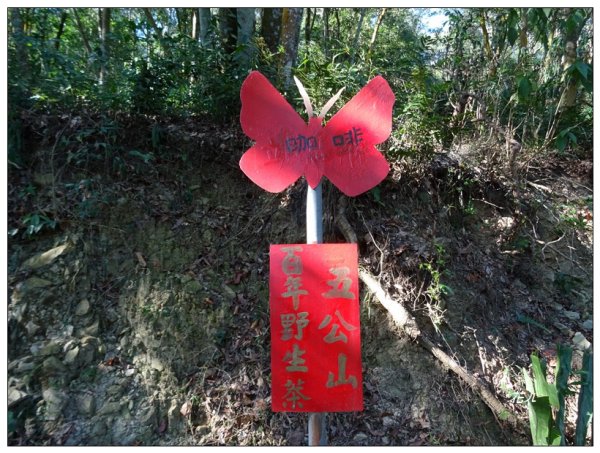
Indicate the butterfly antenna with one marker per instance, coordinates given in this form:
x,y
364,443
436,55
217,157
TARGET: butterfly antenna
x,y
330,103
304,94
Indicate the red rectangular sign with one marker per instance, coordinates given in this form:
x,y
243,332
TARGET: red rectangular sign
x,y
315,328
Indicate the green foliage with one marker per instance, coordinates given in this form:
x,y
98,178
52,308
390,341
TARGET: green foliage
x,y
546,405
586,399
35,222
573,216
436,290
159,69
566,282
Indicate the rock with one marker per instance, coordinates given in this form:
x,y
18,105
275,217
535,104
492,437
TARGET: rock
x,y
110,407
99,430
176,422
92,330
581,342
88,351
15,396
360,437
83,308
115,390
71,356
588,324
68,330
388,422
148,416
157,364
53,367
32,328
573,315
562,328
86,404
121,432
51,348
55,402
42,259
21,365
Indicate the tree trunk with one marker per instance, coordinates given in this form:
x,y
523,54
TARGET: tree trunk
x,y
152,22
326,32
61,29
84,38
245,30
290,35
195,24
181,25
338,28
486,43
375,31
307,25
104,30
354,47
568,95
571,37
204,20
271,27
228,28
20,47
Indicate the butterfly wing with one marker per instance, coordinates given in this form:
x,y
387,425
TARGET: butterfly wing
x,y
269,119
352,163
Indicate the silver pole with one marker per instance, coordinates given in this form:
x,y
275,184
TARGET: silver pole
x,y
314,215
317,426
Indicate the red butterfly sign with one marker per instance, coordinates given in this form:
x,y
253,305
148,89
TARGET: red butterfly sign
x,y
287,148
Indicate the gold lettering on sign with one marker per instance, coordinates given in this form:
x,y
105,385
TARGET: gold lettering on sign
x,y
342,379
333,334
292,263
340,285
295,360
288,320
294,393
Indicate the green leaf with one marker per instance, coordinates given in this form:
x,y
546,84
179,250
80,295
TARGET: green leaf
x,y
12,422
563,371
542,387
146,157
582,67
512,35
524,88
376,191
585,409
540,418
561,143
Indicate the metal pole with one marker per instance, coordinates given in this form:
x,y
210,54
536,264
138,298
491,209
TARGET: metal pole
x,y
314,215
317,426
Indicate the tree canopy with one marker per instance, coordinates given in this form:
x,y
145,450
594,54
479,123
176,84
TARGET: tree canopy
x,y
526,72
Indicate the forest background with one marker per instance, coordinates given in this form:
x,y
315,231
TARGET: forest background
x,y
128,216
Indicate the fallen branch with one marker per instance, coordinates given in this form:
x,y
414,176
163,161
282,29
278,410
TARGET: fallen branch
x,y
409,325
539,186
